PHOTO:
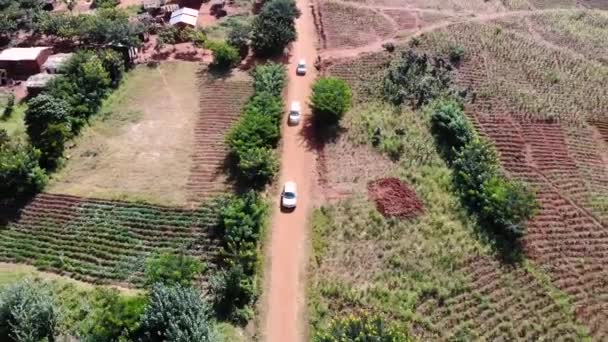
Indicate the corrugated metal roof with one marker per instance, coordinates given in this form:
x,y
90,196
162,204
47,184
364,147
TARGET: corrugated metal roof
x,y
22,54
184,15
54,62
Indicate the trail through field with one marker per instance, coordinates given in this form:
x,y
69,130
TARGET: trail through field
x,y
284,319
375,46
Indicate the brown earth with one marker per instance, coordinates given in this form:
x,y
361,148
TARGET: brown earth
x,y
394,198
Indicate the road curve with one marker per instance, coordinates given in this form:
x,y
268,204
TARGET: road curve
x,y
285,299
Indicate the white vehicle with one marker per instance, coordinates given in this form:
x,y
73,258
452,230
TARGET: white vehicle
x,y
289,195
294,113
301,69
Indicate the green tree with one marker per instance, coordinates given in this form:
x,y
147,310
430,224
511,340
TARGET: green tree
x,y
42,111
450,125
360,329
173,269
475,164
238,37
331,98
253,130
258,165
416,79
224,55
105,3
113,317
269,78
114,64
274,28
176,314
20,172
234,292
28,313
508,205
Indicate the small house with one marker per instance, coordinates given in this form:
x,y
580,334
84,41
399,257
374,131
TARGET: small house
x,y
37,83
184,17
23,62
54,63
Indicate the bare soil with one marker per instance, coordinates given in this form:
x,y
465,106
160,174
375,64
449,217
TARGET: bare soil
x,y
394,198
140,146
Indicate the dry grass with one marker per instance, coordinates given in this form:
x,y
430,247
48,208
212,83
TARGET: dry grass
x,y
140,145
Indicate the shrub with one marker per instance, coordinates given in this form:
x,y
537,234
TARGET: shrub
x,y
456,53
258,165
234,292
20,172
112,317
274,28
176,314
238,37
173,269
114,64
331,98
364,328
105,3
475,164
269,78
224,56
10,105
27,313
4,138
253,130
266,104
507,205
450,126
417,79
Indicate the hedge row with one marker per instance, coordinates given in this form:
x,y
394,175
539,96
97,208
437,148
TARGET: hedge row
x,y
253,138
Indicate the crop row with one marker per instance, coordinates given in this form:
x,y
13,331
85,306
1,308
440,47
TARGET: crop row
x,y
565,237
221,103
105,241
502,303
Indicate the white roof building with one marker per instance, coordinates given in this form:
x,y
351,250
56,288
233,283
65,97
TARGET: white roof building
x,y
184,16
22,54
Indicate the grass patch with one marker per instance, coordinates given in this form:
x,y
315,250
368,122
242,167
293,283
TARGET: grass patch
x,y
13,123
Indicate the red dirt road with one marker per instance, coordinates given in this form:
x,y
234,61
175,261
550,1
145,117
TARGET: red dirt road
x,y
284,320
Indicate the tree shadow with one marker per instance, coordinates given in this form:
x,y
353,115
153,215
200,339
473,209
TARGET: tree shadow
x,y
317,134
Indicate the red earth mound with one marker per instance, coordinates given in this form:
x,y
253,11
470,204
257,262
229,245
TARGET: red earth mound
x,y
394,198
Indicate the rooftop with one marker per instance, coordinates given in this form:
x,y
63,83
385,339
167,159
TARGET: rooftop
x,y
54,62
39,80
22,54
184,15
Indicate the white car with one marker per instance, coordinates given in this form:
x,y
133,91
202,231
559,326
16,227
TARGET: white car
x,y
289,195
301,68
294,113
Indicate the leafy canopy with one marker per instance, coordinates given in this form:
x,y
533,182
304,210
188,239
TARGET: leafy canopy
x,y
331,98
274,27
173,269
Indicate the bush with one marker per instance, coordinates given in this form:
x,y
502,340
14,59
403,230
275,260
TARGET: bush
x,y
10,105
253,130
105,3
27,313
456,53
113,317
258,165
450,126
234,292
238,37
176,314
274,28
364,328
331,98
269,78
20,172
507,205
173,269
42,111
267,105
417,79
4,138
224,55
475,164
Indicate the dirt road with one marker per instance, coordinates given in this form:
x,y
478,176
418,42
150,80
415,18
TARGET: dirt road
x,y
286,289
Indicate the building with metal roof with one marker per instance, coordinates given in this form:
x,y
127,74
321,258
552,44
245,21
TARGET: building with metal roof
x,y
54,63
184,17
23,62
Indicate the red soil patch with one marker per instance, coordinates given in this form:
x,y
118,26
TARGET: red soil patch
x,y
394,198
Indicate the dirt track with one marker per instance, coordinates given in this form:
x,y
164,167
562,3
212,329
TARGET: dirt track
x,y
284,320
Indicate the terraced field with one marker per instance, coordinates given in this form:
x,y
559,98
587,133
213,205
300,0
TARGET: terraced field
x,y
102,241
221,102
534,88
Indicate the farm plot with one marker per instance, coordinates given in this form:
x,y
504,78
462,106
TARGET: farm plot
x,y
477,6
140,145
102,241
221,102
402,269
348,26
